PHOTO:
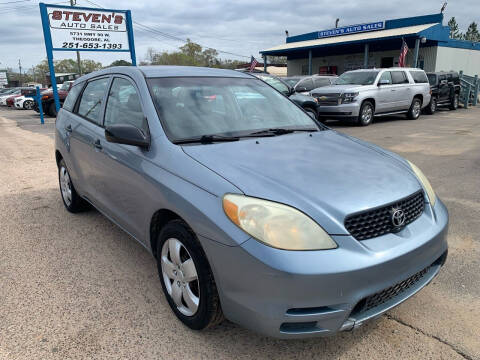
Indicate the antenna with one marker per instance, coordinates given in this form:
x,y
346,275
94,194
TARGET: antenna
x,y
443,7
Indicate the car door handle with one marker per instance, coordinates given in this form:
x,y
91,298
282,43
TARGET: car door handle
x,y
68,128
393,90
97,144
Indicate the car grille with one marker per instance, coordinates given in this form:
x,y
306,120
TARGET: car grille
x,y
381,297
377,222
327,99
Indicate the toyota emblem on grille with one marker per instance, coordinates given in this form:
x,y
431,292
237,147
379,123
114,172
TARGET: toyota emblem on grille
x,y
398,217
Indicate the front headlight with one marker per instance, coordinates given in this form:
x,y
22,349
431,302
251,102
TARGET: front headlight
x,y
349,97
426,184
276,225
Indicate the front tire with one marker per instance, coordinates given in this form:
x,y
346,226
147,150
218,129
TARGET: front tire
x,y
415,109
367,111
432,107
454,103
186,277
28,105
72,201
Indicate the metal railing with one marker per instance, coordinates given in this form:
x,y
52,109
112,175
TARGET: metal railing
x,y
469,88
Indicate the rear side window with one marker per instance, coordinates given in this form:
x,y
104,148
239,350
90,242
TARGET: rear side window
x,y
72,97
123,105
419,77
399,77
91,101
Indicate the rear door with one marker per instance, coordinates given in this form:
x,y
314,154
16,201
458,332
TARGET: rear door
x,y
85,128
401,96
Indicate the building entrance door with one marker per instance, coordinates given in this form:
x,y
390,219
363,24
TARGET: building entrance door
x,y
387,62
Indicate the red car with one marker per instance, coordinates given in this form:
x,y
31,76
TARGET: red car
x,y
11,100
48,103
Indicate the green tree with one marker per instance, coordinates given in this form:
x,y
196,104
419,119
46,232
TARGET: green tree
x,y
472,33
454,30
120,63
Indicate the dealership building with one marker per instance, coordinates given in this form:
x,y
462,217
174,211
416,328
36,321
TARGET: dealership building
x,y
378,45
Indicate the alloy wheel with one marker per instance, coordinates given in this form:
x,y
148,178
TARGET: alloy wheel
x,y
65,186
417,107
180,276
367,114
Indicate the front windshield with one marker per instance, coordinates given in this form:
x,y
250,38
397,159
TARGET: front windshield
x,y
292,81
197,106
65,86
357,78
276,83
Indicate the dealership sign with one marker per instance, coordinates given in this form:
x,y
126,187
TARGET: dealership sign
x,y
351,29
68,28
88,29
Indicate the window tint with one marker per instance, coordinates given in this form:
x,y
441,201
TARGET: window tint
x,y
319,82
386,76
72,97
399,77
123,105
432,79
91,101
306,83
419,77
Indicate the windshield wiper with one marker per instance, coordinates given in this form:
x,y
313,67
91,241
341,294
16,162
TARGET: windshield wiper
x,y
280,131
207,139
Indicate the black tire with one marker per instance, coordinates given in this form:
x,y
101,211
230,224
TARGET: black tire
x,y
28,104
74,203
415,109
52,110
209,312
367,112
311,112
432,106
454,103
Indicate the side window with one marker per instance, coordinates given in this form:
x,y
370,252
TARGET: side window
x,y
399,77
306,83
419,77
72,96
123,105
386,76
91,101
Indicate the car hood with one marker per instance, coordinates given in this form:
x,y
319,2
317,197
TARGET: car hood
x,y
327,175
337,89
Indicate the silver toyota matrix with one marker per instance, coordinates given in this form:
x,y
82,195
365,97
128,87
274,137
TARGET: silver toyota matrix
x,y
360,95
253,210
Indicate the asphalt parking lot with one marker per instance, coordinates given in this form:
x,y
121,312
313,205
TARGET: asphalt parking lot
x,y
76,286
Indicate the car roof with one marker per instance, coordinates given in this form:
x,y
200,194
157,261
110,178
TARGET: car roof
x,y
156,71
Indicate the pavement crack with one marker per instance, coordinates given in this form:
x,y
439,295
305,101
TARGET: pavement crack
x,y
451,346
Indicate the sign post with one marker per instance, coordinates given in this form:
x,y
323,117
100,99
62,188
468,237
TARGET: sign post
x,y
67,28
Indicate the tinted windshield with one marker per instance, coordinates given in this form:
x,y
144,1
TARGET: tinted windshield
x,y
357,78
192,107
432,79
276,83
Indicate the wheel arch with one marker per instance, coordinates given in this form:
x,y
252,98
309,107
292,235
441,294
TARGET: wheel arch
x,y
58,157
159,219
419,96
371,100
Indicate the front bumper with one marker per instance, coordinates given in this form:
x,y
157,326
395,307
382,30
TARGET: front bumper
x,y
339,111
292,294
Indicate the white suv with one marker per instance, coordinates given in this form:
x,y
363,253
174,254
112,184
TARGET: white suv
x,y
362,94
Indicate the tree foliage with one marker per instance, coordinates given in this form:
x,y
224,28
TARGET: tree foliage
x,y
454,30
472,33
120,63
69,66
190,54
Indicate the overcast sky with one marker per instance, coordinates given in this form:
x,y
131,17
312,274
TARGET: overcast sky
x,y
241,27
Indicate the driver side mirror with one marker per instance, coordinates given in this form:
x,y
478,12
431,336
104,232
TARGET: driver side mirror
x,y
128,135
383,82
301,89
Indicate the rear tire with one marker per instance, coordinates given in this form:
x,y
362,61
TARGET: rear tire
x,y
367,111
415,109
432,107
190,290
454,103
72,201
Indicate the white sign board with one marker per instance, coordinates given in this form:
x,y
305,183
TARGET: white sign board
x,y
88,29
3,78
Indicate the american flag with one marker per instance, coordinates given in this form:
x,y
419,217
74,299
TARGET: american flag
x,y
253,64
403,54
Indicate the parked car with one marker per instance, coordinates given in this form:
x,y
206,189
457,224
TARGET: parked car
x,y
307,103
48,103
252,209
305,84
6,94
10,101
360,95
24,102
445,87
